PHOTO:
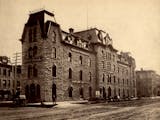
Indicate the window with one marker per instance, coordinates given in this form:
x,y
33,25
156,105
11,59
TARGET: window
x,y
70,89
80,75
34,50
118,81
30,35
114,68
54,54
4,84
18,83
114,77
30,52
90,77
35,71
35,34
103,78
80,60
38,91
4,72
103,64
70,73
54,71
9,73
108,78
119,92
127,81
0,71
9,83
113,58
70,57
118,69
29,71
108,66
89,62
123,81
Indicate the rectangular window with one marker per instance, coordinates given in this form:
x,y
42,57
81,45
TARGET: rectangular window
x,y
35,34
4,72
9,73
9,83
80,75
4,83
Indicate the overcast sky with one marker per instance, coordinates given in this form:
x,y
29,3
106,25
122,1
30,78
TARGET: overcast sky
x,y
134,25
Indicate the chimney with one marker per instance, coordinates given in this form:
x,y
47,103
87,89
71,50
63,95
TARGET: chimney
x,y
71,30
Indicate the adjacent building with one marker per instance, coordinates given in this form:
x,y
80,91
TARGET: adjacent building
x,y
148,83
72,65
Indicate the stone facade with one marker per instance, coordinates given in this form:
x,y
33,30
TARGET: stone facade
x,y
148,83
68,65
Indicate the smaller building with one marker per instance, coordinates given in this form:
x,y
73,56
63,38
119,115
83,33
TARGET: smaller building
x,y
10,76
148,83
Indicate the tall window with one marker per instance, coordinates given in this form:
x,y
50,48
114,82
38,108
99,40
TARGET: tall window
x,y
80,75
35,71
30,52
54,71
103,78
103,64
34,50
30,35
29,71
4,72
70,73
9,73
4,84
70,57
9,83
80,60
90,77
114,77
38,91
54,54
89,62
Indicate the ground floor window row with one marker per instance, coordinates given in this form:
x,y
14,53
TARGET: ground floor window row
x,y
32,92
112,92
5,83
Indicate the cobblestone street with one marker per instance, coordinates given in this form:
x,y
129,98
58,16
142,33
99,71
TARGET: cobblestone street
x,y
129,110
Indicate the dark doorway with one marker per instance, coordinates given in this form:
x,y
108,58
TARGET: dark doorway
x,y
70,91
38,92
32,92
54,92
81,92
90,92
109,92
104,93
27,91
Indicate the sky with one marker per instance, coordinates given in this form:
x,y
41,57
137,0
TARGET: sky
x,y
134,25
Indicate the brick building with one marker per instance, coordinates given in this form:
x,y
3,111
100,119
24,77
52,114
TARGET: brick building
x,y
70,65
148,83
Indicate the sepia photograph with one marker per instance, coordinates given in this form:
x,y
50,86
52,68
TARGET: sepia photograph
x,y
79,59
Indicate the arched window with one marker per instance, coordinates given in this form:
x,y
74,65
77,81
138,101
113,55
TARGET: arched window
x,y
70,57
35,71
70,73
80,75
30,52
80,60
54,71
34,51
27,91
114,77
38,91
29,71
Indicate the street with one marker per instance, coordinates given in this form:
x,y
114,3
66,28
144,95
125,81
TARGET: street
x,y
128,110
